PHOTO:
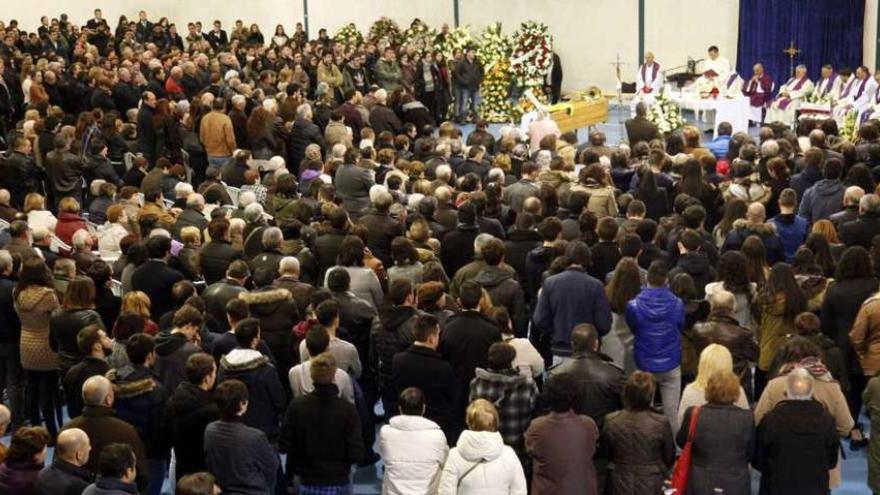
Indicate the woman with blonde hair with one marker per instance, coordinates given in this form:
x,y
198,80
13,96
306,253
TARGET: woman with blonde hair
x,y
138,303
714,359
826,229
38,217
480,463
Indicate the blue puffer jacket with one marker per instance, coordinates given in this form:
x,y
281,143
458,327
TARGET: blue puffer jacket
x,y
792,231
656,319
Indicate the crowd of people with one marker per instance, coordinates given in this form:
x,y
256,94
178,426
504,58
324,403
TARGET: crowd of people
x,y
219,253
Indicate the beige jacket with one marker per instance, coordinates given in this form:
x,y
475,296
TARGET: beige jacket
x,y
217,134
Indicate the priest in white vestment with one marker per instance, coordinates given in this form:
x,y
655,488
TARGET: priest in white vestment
x,y
829,85
791,94
716,63
649,82
845,99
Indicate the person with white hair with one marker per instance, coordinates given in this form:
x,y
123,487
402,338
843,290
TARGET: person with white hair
x,y
851,197
270,257
289,278
383,118
192,215
382,226
303,133
790,96
797,443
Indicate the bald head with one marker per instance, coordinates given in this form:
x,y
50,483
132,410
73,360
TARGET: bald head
x,y
756,213
799,385
73,446
722,301
97,391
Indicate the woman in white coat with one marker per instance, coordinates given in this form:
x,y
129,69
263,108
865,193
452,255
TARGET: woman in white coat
x,y
412,448
480,463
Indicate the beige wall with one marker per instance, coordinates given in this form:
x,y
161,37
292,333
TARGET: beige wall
x,y
588,34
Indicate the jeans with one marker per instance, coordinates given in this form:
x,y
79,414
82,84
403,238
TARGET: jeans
x,y
217,161
669,386
12,380
42,386
462,95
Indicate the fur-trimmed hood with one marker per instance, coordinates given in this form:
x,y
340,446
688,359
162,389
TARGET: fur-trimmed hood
x,y
243,360
265,296
129,381
759,229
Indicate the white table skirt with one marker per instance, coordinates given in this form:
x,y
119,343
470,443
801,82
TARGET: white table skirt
x,y
732,110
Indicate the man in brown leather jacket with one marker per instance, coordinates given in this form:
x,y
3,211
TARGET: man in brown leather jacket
x,y
722,328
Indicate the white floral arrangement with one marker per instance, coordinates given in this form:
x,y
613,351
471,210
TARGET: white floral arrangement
x,y
385,29
494,46
419,35
494,52
665,114
818,99
850,128
532,54
457,39
348,35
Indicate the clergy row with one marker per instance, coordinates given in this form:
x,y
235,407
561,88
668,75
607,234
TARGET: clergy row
x,y
844,91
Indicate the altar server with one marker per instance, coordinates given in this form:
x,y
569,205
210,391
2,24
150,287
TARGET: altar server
x,y
791,94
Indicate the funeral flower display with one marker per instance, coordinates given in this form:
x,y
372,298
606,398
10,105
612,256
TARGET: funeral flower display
x,y
419,35
457,39
850,128
665,114
384,29
348,34
532,54
494,53
819,99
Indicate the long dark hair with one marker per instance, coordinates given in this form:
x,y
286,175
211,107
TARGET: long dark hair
x,y
855,263
692,182
733,272
756,259
818,245
734,210
647,184
781,281
625,284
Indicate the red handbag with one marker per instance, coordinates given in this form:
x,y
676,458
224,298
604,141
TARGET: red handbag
x,y
682,470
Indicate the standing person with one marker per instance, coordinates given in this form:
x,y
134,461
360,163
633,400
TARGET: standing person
x,y
94,345
480,462
66,474
174,349
387,73
155,278
872,404
638,440
240,457
118,471
188,412
413,448
466,79
464,343
217,134
570,298
723,441
321,434
24,460
796,442
656,318
35,300
147,139
11,374
780,301
562,444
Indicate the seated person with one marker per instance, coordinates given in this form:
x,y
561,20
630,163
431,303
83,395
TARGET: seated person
x,y
790,96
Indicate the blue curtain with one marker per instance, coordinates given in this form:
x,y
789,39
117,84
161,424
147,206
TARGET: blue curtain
x,y
826,32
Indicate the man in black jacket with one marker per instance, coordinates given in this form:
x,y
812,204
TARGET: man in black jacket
x,y
381,227
155,278
175,348
67,475
796,442
216,256
356,315
219,293
464,343
140,401
861,232
11,378
393,336
600,382
266,397
422,367
146,132
64,170
502,286
189,411
192,216
94,345
321,432
270,257
457,249
22,175
640,128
